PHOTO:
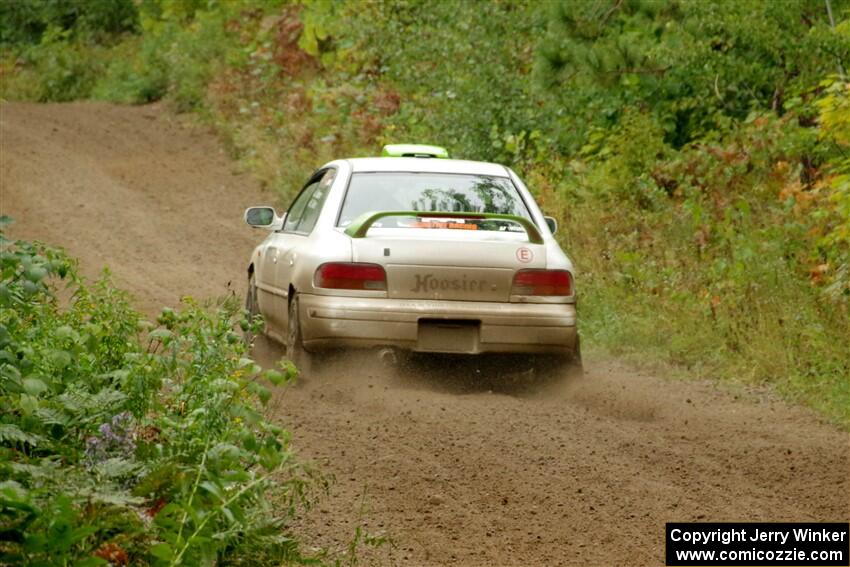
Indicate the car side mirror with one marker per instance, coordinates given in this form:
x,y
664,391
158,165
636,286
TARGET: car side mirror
x,y
552,224
263,217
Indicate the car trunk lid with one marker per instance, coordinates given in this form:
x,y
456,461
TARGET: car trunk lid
x,y
449,264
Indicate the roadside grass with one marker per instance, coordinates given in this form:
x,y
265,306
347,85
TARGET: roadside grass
x,y
684,344
763,326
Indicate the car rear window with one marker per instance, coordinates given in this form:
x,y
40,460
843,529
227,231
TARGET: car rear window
x,y
461,193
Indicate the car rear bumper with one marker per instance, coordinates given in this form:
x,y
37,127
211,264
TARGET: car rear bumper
x,y
464,327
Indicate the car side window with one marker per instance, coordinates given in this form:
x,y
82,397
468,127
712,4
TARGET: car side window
x,y
296,211
315,203
304,212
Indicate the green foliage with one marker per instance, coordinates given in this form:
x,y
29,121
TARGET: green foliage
x,y
27,21
727,268
128,442
442,55
695,65
177,51
56,69
834,116
136,74
56,50
626,156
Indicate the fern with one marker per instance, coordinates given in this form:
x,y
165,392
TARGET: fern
x,y
117,468
51,416
45,469
10,433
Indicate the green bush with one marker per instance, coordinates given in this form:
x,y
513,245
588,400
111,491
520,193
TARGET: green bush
x,y
129,443
723,270
26,21
62,70
136,74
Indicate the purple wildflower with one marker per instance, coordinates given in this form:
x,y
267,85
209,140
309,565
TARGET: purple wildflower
x,y
116,438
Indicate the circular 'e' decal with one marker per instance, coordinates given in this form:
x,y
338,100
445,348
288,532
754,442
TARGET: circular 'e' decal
x,y
524,255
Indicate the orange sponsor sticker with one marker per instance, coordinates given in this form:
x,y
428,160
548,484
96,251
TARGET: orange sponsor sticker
x,y
450,225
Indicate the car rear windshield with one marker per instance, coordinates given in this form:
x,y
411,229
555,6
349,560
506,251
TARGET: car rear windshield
x,y
449,192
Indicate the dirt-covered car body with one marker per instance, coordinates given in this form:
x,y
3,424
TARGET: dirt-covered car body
x,y
337,271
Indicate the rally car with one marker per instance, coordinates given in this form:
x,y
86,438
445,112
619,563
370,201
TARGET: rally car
x,y
414,252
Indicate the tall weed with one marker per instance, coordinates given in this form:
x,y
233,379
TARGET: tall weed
x,y
127,442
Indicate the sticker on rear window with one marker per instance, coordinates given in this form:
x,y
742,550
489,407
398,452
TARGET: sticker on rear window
x,y
451,225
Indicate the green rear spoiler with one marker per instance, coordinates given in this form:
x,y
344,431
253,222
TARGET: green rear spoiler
x,y
360,226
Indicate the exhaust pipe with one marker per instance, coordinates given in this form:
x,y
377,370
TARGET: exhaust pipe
x,y
388,356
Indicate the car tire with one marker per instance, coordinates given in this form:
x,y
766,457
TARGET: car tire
x,y
295,351
561,368
253,309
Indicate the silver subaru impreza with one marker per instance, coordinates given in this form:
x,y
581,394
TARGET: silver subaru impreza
x,y
415,252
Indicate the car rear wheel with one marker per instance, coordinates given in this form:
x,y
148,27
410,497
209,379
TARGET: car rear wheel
x,y
560,368
295,351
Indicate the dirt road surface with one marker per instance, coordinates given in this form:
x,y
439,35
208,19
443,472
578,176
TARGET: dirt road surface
x,y
471,472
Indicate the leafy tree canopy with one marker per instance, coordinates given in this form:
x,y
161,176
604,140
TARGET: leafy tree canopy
x,y
694,64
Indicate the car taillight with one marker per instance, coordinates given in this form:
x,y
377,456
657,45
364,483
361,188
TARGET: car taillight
x,y
543,282
351,275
